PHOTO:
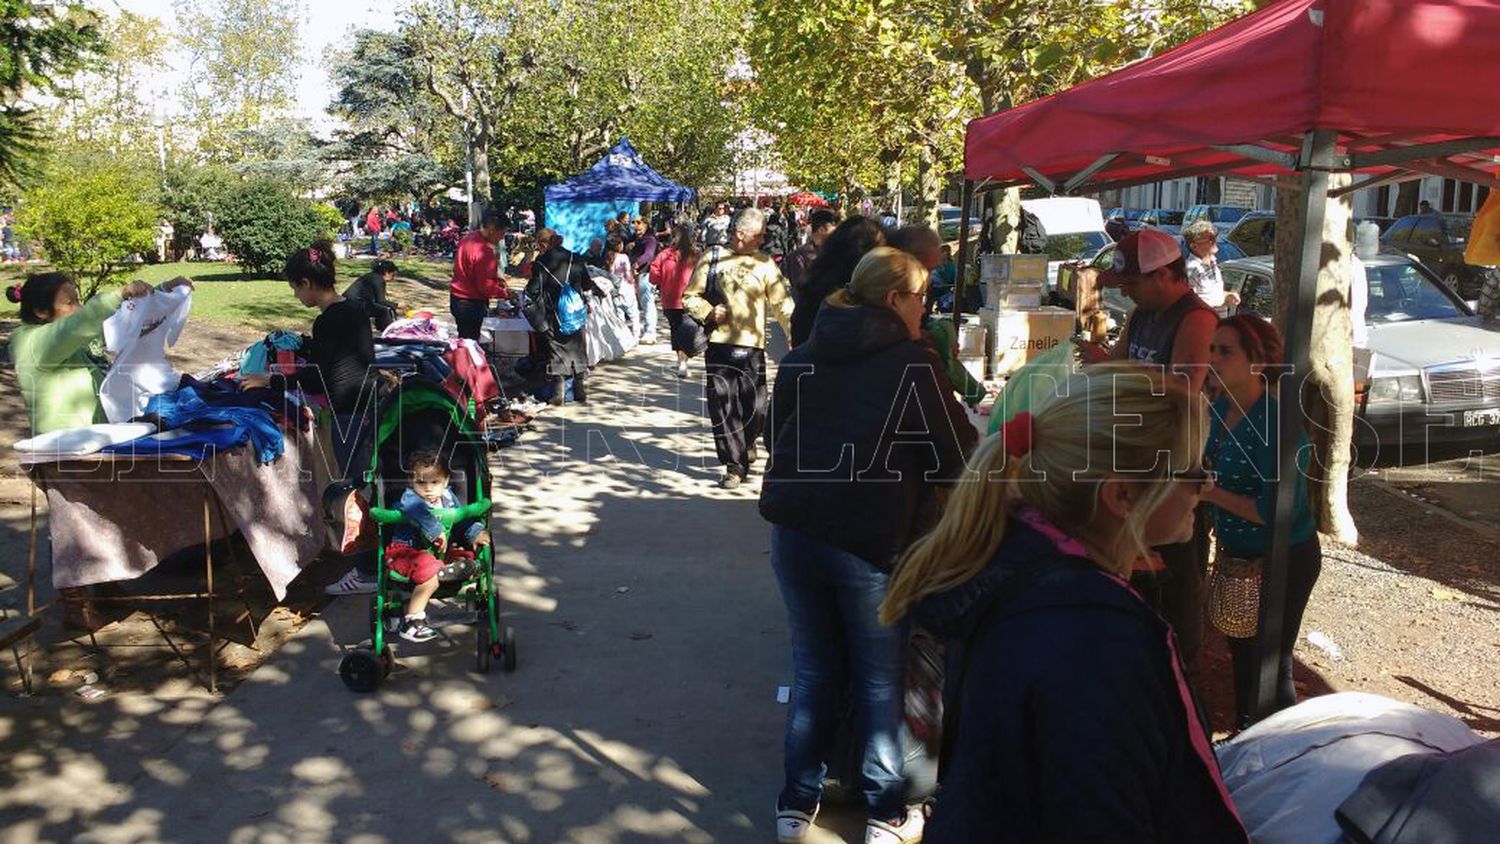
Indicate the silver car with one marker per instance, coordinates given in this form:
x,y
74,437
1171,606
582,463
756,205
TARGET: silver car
x,y
1434,368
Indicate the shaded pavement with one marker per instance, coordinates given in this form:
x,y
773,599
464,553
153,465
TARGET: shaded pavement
x,y
651,643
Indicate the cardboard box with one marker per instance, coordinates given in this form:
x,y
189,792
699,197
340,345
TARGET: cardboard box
x,y
1012,268
1013,295
972,337
975,365
1018,336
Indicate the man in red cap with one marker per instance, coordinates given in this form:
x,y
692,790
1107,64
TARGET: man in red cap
x,y
1170,327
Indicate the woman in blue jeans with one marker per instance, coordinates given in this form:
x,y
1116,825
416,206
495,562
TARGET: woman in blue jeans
x,y
848,488
1243,449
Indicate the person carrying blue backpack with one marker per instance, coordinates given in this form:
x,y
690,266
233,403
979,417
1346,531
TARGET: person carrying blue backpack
x,y
558,310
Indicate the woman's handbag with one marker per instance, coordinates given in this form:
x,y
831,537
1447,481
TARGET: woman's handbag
x,y
1234,595
690,335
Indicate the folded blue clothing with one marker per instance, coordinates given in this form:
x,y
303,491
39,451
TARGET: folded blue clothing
x,y
196,443
185,408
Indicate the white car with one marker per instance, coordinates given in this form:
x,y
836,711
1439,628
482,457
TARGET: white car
x,y
1075,229
1434,372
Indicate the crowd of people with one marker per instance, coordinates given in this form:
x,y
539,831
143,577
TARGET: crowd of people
x,y
1061,561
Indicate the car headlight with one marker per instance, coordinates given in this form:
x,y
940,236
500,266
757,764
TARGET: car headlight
x,y
1404,388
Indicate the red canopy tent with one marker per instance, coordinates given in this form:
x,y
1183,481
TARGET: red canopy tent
x,y
1411,81
807,199
1390,88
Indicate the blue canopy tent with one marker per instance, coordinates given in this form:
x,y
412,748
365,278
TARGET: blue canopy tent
x,y
620,181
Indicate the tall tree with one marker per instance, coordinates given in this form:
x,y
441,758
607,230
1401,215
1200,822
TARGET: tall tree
x,y
115,110
476,58
243,75
42,45
395,139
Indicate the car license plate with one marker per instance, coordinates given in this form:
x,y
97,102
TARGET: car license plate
x,y
1480,418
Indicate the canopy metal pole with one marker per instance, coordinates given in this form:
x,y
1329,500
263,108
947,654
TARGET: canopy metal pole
x,y
1316,160
961,282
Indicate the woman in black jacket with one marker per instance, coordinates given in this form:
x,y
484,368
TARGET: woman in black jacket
x,y
848,488
831,271
1066,715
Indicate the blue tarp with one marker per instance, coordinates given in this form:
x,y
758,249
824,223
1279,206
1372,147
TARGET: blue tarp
x,y
620,181
619,175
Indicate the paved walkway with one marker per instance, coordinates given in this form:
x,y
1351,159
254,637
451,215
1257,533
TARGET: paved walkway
x,y
652,642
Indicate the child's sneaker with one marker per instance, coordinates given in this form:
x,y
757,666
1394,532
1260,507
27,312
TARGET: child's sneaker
x,y
907,831
415,629
793,827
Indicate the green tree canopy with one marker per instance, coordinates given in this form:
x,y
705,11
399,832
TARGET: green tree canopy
x,y
90,216
262,222
42,45
244,60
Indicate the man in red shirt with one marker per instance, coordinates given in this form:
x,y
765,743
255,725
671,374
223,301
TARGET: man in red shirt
x,y
372,228
476,274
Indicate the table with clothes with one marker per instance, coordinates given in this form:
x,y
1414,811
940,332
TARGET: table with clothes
x,y
201,462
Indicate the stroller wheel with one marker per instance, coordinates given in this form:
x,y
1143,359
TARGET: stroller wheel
x,y
483,646
360,671
508,649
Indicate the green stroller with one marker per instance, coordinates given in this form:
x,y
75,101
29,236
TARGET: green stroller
x,y
421,416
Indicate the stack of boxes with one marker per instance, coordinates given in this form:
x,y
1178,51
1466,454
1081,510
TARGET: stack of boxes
x,y
1018,326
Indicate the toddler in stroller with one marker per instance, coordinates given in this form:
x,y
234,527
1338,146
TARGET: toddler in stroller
x,y
408,553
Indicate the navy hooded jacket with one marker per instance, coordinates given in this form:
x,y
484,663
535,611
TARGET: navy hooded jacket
x,y
1075,724
864,429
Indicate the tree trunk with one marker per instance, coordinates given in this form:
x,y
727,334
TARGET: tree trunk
x,y
929,187
893,184
1328,398
481,198
1407,195
1007,233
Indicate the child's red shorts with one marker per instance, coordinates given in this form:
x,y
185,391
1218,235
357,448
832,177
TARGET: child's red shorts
x,y
416,564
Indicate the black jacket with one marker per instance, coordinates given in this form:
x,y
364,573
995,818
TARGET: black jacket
x,y
1073,723
839,469
565,355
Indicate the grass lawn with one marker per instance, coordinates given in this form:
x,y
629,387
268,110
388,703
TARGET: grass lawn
x,y
227,296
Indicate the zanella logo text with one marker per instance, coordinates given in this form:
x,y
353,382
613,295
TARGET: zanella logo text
x,y
1040,344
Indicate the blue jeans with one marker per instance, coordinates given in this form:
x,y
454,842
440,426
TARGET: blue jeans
x,y
645,290
832,600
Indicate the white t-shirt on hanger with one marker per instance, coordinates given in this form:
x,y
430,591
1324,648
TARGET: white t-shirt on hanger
x,y
139,334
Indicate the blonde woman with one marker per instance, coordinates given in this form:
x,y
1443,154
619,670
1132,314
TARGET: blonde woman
x,y
1067,715
849,487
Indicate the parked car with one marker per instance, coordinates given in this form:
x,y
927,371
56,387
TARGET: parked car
x,y
1255,233
1075,229
1434,370
1116,303
1165,219
1438,240
1222,216
950,219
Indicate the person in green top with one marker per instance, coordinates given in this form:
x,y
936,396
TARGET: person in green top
x,y
1242,451
59,376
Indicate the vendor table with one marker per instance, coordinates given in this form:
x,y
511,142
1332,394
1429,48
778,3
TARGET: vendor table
x,y
115,518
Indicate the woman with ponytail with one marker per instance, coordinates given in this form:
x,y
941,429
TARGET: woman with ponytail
x,y
1067,717
340,358
867,432
59,376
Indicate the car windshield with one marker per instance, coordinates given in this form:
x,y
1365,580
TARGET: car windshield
x,y
1458,228
1067,247
1134,213
1169,218
1221,214
1403,293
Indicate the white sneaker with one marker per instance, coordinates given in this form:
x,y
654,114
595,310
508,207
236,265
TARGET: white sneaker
x,y
682,369
909,831
793,827
350,584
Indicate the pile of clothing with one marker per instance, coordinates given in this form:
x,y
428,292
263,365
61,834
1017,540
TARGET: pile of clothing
x,y
198,419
